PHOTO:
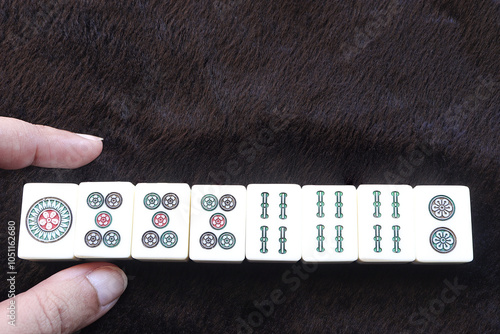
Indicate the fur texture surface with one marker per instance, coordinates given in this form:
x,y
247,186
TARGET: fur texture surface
x,y
239,92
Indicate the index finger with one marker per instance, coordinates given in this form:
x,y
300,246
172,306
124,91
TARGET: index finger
x,y
23,144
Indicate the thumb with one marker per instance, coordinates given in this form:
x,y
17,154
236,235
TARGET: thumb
x,y
67,301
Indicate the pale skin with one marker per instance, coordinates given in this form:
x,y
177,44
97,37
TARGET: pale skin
x,y
75,297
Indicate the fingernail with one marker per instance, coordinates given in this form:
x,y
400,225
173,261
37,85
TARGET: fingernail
x,y
109,282
89,137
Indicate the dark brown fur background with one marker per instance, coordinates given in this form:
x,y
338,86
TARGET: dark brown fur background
x,y
239,92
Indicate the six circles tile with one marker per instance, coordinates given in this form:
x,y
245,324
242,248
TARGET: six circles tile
x,y
227,202
152,201
170,201
114,200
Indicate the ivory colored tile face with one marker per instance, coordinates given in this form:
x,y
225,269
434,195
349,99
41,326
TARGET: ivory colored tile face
x,y
443,224
217,231
329,224
386,231
48,221
161,222
274,213
104,222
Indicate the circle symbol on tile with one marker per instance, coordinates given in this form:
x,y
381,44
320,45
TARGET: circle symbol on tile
x,y
227,202
209,202
208,240
152,201
93,238
169,239
150,239
160,219
95,200
49,219
114,200
170,201
227,240
218,221
103,219
441,207
111,238
443,240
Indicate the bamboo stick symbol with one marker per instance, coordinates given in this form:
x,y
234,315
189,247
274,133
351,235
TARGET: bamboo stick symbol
x,y
339,239
395,204
320,204
320,238
338,204
282,240
264,205
396,239
283,206
376,204
263,239
377,238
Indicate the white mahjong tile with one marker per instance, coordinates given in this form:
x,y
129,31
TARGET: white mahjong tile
x,y
386,231
217,231
443,224
104,222
161,222
48,221
274,213
329,223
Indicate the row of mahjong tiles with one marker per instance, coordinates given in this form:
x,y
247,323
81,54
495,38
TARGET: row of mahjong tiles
x,y
261,222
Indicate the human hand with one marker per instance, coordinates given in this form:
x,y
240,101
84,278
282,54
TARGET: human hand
x,y
75,297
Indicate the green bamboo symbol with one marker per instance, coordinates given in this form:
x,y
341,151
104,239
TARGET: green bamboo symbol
x,y
264,205
377,238
320,204
377,204
396,239
320,238
395,204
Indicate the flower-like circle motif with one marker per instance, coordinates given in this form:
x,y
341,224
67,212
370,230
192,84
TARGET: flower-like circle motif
x,y
170,201
93,238
95,200
218,221
114,200
441,207
160,219
152,201
169,239
150,239
227,240
49,219
227,202
209,202
208,240
443,240
111,238
103,219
